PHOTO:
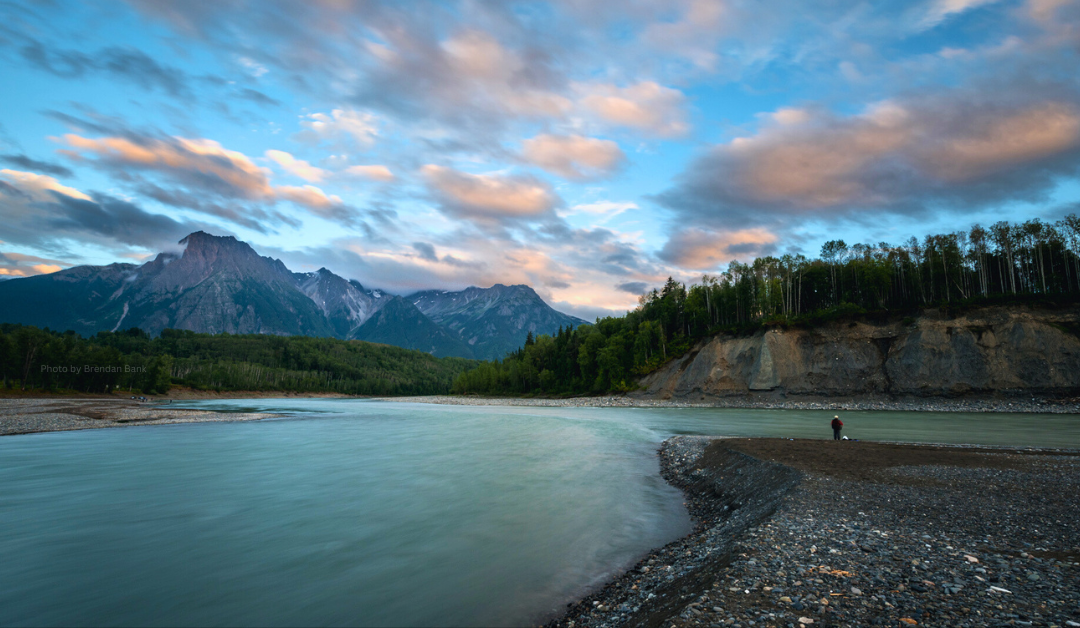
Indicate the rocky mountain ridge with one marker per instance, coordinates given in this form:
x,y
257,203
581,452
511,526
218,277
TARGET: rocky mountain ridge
x,y
219,284
988,350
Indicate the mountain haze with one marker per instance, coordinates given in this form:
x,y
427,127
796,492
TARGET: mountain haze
x,y
219,284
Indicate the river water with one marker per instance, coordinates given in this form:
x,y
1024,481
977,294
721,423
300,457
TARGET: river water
x,y
354,512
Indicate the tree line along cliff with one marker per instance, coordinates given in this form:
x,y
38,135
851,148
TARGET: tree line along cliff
x,y
806,302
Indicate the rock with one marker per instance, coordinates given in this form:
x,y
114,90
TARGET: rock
x,y
856,591
785,599
970,558
806,621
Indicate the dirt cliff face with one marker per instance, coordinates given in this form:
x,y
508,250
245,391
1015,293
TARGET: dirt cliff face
x,y
987,350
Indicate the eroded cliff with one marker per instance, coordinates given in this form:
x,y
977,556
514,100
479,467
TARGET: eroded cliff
x,y
995,349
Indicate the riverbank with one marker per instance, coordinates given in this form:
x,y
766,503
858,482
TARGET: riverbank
x,y
26,416
918,404
816,533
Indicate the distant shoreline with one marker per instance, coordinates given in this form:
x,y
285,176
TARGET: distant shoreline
x,y
1052,406
25,414
634,400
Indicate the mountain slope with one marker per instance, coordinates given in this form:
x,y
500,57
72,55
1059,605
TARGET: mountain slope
x,y
399,323
218,284
221,285
495,320
345,304
69,299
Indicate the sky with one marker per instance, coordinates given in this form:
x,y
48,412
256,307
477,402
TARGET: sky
x,y
590,149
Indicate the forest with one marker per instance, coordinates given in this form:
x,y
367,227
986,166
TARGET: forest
x,y
132,362
1032,262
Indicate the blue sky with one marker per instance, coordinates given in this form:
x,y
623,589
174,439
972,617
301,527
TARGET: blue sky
x,y
586,148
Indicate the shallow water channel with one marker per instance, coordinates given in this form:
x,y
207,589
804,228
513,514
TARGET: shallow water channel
x,y
355,512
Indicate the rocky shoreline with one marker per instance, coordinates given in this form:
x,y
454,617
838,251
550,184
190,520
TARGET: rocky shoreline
x,y
917,404
794,533
27,416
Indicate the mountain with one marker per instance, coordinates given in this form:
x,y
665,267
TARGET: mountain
x,y
221,285
492,320
218,284
345,304
64,300
399,323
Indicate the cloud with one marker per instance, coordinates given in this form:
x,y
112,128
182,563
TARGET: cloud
x,y
645,106
470,81
202,166
19,265
693,36
257,97
252,215
320,203
952,151
487,198
37,186
124,63
606,209
340,126
309,196
373,172
201,163
633,287
702,249
939,10
22,161
573,156
45,215
297,167
426,251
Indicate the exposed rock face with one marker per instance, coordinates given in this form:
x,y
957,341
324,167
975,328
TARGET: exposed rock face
x,y
345,304
988,350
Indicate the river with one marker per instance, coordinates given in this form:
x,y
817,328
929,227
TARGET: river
x,y
355,512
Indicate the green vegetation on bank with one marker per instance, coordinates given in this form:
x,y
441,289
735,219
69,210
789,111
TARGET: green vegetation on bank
x,y
1032,262
32,358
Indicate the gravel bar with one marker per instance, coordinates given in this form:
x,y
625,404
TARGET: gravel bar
x,y
26,416
794,533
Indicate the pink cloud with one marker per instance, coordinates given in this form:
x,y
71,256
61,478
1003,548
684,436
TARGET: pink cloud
x,y
490,197
573,156
646,106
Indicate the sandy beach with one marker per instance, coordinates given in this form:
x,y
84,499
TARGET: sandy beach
x,y
26,416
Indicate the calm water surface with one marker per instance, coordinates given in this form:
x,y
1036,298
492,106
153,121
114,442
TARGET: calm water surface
x,y
369,513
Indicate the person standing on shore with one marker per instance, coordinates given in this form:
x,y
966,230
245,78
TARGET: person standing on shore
x,y
837,425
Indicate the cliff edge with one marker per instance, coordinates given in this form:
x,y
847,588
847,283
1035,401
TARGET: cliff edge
x,y
988,350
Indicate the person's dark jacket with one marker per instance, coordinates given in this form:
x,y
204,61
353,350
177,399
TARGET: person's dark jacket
x,y
837,424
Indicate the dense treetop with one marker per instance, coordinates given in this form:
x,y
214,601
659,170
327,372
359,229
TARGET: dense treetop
x,y
133,361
